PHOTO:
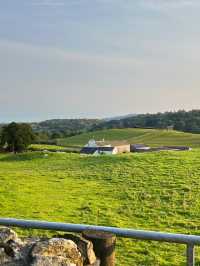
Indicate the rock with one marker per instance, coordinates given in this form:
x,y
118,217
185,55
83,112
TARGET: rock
x,y
7,234
10,248
56,251
96,263
84,246
51,261
65,250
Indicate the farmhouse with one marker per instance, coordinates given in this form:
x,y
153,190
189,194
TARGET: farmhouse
x,y
100,147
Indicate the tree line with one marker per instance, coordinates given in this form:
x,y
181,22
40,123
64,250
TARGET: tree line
x,y
180,120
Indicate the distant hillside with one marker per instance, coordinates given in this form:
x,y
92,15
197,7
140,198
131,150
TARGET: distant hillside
x,y
153,137
181,121
118,117
61,128
65,126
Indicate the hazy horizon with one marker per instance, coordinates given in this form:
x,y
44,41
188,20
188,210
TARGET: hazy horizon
x,y
88,117
71,59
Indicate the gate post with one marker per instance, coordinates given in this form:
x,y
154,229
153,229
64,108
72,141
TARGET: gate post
x,y
104,246
190,255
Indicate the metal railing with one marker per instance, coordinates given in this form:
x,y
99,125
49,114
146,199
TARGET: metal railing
x,y
189,240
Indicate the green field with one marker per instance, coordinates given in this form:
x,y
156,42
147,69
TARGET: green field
x,y
53,148
154,191
41,147
153,137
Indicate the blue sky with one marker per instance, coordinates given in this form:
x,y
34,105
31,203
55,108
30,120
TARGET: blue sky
x,y
83,58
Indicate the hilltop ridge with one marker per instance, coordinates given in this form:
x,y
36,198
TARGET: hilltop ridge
x,y
152,137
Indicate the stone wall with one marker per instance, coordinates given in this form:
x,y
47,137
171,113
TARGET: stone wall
x,y
61,250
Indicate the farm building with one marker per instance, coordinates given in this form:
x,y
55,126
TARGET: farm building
x,y
98,150
144,148
97,147
173,148
91,143
122,148
139,148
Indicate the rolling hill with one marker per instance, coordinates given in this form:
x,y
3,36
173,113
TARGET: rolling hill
x,y
153,137
65,125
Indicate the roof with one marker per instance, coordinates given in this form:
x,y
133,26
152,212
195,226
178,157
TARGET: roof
x,y
88,150
138,146
105,148
180,148
92,150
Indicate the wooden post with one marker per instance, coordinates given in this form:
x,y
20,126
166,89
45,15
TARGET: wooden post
x,y
104,246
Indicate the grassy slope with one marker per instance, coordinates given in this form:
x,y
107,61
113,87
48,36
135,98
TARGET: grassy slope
x,y
43,147
148,136
38,147
157,191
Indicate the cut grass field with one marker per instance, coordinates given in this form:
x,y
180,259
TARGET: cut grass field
x,y
154,191
54,148
153,137
41,147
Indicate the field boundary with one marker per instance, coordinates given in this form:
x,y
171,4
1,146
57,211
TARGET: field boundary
x,y
189,240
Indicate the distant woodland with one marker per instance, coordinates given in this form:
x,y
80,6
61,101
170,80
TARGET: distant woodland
x,y
50,130
180,120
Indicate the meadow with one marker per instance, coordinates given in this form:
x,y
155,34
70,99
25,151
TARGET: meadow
x,y
152,137
154,191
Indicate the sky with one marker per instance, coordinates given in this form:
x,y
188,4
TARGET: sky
x,y
97,58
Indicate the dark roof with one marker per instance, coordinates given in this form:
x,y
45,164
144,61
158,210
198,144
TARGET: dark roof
x,y
88,150
92,150
180,148
138,146
105,148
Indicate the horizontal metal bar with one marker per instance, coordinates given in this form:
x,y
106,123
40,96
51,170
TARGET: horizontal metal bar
x,y
129,233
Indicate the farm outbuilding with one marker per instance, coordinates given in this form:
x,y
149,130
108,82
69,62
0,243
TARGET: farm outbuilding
x,y
123,148
139,148
144,148
98,150
101,147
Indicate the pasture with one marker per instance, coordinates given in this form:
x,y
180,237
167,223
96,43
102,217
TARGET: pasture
x,y
152,137
154,191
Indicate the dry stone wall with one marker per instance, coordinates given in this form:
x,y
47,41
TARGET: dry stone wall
x,y
61,250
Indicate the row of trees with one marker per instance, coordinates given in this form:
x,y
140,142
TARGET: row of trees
x,y
181,120
16,137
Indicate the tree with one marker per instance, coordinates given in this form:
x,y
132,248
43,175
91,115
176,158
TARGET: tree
x,y
16,137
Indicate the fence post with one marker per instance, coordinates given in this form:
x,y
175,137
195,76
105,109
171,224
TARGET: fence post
x,y
104,246
190,255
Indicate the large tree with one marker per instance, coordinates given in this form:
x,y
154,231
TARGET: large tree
x,y
16,137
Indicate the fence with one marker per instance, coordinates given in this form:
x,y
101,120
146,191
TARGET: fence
x,y
189,240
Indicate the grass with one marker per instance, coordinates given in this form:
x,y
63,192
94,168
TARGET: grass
x,y
154,191
42,147
52,148
153,137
